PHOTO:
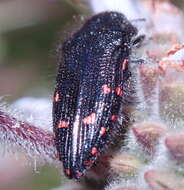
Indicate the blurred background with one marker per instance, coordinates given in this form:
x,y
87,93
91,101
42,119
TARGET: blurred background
x,y
29,33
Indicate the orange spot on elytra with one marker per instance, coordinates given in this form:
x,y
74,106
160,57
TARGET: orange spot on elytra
x,y
68,172
102,131
94,151
106,89
56,97
124,64
118,91
91,119
63,124
114,117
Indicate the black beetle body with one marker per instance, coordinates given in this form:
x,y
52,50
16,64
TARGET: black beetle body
x,y
90,88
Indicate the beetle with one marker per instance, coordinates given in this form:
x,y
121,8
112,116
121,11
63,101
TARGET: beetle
x,y
92,88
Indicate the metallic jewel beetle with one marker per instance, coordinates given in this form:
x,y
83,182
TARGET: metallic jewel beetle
x,y
92,87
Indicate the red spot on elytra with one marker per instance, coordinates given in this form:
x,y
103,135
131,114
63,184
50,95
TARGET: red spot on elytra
x,y
68,172
124,64
56,97
102,130
114,117
91,119
94,151
88,163
118,91
63,124
78,174
106,89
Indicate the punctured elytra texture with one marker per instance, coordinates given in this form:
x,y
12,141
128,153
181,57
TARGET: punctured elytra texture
x,y
90,88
